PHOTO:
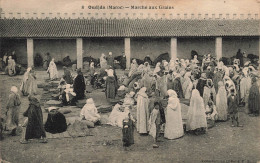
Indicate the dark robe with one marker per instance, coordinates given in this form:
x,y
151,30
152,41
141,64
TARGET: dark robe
x,y
38,60
123,62
200,86
253,101
148,59
56,123
67,77
35,127
14,57
79,87
209,74
240,57
67,61
232,105
128,133
176,86
111,87
110,61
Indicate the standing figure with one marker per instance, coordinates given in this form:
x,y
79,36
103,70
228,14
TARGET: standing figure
x,y
29,84
52,70
14,56
240,57
173,126
128,131
103,61
233,109
245,85
196,114
221,102
46,61
201,83
79,85
38,60
123,61
34,128
142,111
209,93
155,123
92,69
176,86
211,113
218,76
110,60
187,85
253,101
11,67
12,113
111,84
133,68
67,76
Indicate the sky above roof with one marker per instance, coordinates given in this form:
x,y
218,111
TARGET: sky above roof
x,y
179,6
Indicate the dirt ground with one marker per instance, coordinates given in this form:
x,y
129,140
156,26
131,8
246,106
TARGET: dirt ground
x,y
221,143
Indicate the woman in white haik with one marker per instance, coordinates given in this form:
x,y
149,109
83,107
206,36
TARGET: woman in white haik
x,y
173,126
52,70
196,114
89,111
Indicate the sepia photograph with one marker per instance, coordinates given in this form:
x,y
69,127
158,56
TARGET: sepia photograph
x,y
140,81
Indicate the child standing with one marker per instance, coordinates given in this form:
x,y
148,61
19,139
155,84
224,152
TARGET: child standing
x,y
154,123
211,113
128,131
233,109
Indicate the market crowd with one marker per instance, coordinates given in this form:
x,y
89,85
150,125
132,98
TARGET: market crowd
x,y
148,99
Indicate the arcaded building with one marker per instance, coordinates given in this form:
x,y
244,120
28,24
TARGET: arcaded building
x,y
136,37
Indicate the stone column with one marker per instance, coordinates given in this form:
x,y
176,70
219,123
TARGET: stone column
x,y
128,52
218,47
29,52
79,53
173,54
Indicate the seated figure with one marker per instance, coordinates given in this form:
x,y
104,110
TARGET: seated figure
x,y
56,121
89,112
68,96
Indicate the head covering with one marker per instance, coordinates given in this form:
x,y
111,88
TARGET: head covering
x,y
121,88
172,93
10,57
220,83
187,74
14,89
165,64
110,72
110,53
67,86
203,76
245,70
92,64
132,94
254,80
52,108
142,90
90,101
33,100
29,69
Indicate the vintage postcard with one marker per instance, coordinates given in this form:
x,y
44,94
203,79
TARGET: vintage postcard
x,y
129,81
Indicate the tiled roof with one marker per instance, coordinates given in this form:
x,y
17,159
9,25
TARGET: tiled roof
x,y
67,28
